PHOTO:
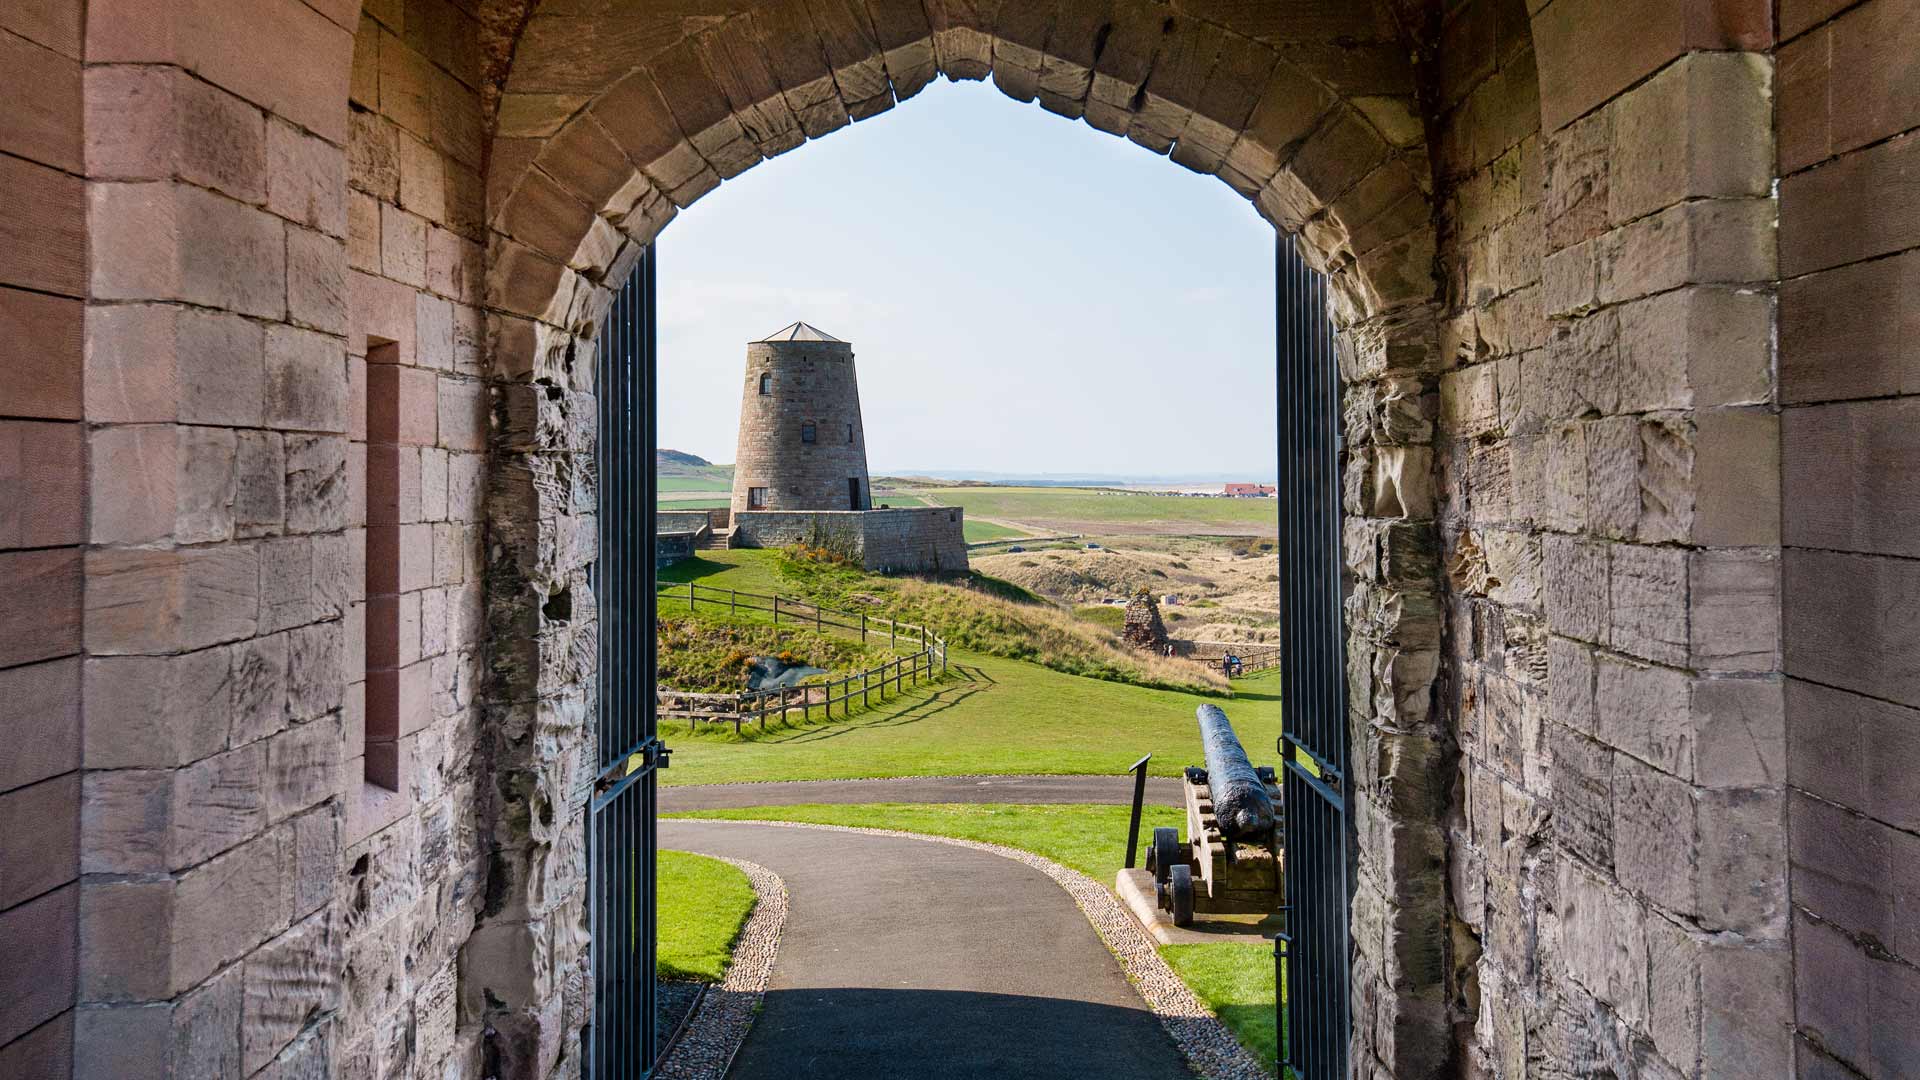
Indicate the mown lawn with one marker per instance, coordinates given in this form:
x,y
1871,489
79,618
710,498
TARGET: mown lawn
x,y
703,904
1235,979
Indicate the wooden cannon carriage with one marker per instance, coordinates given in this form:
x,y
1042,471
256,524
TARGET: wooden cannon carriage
x,y
1230,867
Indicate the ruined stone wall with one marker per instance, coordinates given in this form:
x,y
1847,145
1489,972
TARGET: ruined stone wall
x,y
1607,467
1848,110
43,530
812,384
910,540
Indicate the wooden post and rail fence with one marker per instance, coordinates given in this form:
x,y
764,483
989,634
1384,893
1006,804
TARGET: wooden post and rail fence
x,y
778,702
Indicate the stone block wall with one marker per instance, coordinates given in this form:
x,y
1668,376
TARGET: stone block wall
x,y
221,563
1848,146
1608,467
910,540
43,530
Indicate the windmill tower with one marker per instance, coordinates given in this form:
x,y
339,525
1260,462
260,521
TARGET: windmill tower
x,y
801,444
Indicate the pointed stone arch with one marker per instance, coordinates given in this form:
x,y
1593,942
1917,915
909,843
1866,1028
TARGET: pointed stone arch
x,y
614,115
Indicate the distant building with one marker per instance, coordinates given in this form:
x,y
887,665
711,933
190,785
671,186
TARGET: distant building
x,y
1249,491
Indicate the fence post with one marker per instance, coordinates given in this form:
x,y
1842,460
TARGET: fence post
x,y
776,622
863,628
866,700
893,635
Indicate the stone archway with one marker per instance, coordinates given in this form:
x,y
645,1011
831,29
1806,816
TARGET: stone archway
x,y
215,214
610,120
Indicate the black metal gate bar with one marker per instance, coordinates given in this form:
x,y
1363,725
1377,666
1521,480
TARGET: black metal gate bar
x,y
622,821
1313,743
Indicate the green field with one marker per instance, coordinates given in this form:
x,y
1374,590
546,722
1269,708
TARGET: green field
x,y
1235,979
694,504
695,483
1091,509
979,531
703,904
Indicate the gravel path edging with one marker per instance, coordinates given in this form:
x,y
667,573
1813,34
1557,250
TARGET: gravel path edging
x,y
1210,1049
714,1033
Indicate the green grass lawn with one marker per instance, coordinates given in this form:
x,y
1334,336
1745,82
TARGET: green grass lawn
x,y
1234,979
714,503
703,904
1083,507
737,568
981,531
990,716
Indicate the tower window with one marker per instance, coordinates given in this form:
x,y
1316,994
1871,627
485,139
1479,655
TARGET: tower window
x,y
806,433
849,434
756,498
766,383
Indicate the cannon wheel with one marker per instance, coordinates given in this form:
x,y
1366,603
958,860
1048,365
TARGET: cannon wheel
x,y
1180,892
1164,852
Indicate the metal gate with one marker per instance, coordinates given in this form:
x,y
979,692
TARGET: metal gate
x,y
622,823
1312,955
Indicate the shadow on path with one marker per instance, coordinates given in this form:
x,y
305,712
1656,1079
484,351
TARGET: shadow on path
x,y
939,1034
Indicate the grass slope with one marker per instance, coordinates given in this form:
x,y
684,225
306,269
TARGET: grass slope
x,y
703,904
991,716
979,614
1235,979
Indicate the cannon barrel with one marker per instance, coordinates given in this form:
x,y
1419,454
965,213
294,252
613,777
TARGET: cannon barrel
x,y
1240,802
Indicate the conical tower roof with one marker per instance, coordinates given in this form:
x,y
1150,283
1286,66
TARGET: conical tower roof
x,y
800,332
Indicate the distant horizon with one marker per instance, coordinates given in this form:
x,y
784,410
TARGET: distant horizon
x,y
1052,477
1025,295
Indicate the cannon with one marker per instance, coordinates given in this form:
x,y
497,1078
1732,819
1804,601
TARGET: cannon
x,y
1231,862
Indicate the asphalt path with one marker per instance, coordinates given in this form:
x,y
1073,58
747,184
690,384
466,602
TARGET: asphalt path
x,y
912,959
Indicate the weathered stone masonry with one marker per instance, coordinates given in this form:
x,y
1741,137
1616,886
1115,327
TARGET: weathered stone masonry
x,y
1624,290
914,539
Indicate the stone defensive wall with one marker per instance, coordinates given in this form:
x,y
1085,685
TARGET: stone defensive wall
x,y
915,540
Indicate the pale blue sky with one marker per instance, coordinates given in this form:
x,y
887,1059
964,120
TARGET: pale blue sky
x,y
1023,293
